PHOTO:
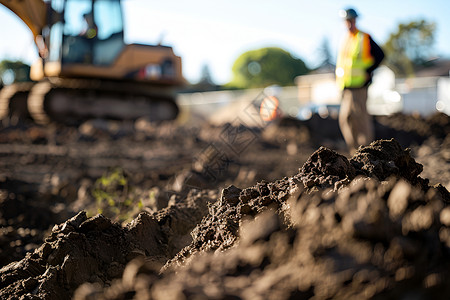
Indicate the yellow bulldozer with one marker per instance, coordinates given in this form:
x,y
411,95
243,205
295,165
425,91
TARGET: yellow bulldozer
x,y
86,70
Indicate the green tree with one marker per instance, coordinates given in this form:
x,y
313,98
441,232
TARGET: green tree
x,y
410,46
14,71
266,66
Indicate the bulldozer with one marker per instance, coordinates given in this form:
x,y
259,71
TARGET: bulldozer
x,y
85,69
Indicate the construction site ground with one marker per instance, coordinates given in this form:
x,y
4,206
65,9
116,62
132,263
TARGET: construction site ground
x,y
200,210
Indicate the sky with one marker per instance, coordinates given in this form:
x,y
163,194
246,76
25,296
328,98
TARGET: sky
x,y
215,33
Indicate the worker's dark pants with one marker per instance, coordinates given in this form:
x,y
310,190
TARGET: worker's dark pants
x,y
354,121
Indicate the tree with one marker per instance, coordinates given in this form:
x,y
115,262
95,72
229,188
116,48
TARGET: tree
x,y
206,82
14,71
410,47
325,54
266,66
206,76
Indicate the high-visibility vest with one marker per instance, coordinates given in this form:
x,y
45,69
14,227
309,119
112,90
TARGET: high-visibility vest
x,y
353,60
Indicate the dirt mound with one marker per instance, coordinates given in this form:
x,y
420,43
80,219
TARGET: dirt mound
x,y
96,250
380,160
358,244
373,236
309,233
324,169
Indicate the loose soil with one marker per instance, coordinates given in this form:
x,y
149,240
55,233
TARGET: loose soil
x,y
225,211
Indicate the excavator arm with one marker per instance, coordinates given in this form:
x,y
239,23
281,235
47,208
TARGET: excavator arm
x,y
32,12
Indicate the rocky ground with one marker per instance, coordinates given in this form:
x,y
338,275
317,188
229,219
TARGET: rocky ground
x,y
110,210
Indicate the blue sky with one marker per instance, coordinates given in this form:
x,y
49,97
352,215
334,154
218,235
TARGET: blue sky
x,y
216,33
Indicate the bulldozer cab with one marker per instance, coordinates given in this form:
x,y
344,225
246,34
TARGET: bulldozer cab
x,y
86,32
85,39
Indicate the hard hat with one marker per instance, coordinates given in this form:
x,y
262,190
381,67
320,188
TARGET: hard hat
x,y
348,14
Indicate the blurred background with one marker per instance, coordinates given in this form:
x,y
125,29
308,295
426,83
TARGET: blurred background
x,y
237,45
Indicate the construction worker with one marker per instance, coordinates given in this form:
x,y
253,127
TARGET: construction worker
x,y
358,57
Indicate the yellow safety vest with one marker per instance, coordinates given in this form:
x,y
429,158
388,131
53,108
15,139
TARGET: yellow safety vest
x,y
353,60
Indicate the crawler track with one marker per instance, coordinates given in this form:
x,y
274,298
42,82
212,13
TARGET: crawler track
x,y
72,101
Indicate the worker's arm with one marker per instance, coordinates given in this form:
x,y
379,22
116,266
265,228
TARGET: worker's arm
x,y
377,54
